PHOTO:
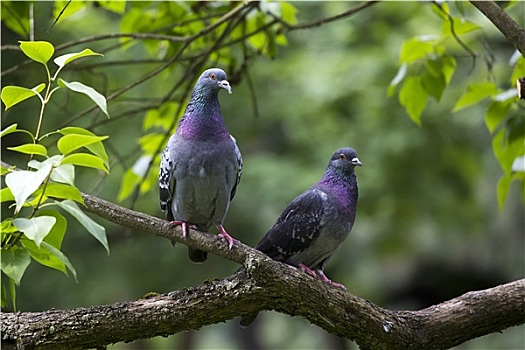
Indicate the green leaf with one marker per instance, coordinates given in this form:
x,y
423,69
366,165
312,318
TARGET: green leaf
x,y
52,161
57,233
519,69
61,256
160,117
288,13
30,148
15,16
85,159
3,302
66,8
414,49
448,67
496,113
72,142
442,67
38,51
11,95
12,291
114,6
65,173
97,231
47,254
151,143
414,98
36,228
23,183
460,25
43,256
15,262
441,10
6,195
128,184
475,93
434,85
515,127
64,192
96,148
61,61
7,226
10,129
401,73
506,152
99,99
503,188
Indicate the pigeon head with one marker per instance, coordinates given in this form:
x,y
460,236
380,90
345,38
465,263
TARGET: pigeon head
x,y
213,79
344,160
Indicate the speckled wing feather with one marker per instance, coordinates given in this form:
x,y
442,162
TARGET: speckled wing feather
x,y
239,168
297,227
166,183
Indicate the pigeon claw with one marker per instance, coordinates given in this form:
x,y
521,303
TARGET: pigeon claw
x,y
184,225
226,236
330,282
307,270
321,275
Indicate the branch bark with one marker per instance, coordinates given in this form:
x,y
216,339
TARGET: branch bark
x,y
506,25
263,284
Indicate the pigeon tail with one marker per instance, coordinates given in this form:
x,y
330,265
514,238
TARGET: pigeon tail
x,y
196,255
247,320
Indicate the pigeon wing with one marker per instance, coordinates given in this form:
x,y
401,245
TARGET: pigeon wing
x,y
166,182
239,168
297,227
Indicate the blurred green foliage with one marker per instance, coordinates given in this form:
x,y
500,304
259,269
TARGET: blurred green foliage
x,y
437,139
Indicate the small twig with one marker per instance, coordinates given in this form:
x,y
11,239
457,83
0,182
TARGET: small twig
x,y
326,20
17,18
505,24
31,21
58,17
465,47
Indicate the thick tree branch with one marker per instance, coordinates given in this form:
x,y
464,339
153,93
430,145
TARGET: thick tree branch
x,y
263,285
506,25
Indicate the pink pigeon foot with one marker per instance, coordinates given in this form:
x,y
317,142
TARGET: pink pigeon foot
x,y
226,236
308,270
184,225
327,280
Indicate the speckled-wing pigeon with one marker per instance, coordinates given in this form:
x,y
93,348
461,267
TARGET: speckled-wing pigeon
x,y
316,223
201,165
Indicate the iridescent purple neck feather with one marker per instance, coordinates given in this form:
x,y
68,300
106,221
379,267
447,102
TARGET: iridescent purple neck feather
x,y
342,185
202,119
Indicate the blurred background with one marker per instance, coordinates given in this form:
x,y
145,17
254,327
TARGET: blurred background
x,y
428,226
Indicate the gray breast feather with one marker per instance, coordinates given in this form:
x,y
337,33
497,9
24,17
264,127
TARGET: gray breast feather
x,y
197,181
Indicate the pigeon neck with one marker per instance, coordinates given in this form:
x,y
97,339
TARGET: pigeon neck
x,y
342,185
202,119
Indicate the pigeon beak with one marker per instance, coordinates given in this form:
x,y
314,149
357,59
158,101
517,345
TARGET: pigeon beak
x,y
225,84
357,162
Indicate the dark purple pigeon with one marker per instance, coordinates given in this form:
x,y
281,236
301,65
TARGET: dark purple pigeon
x,y
315,224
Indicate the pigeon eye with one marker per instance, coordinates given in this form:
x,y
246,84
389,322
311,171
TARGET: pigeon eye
x,y
342,156
213,76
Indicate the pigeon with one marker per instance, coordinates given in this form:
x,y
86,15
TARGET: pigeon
x,y
201,165
316,223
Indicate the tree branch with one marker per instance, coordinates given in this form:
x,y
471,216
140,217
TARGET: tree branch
x,y
264,284
506,25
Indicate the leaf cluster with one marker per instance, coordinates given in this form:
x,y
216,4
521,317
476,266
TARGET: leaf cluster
x,y
36,229
427,65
